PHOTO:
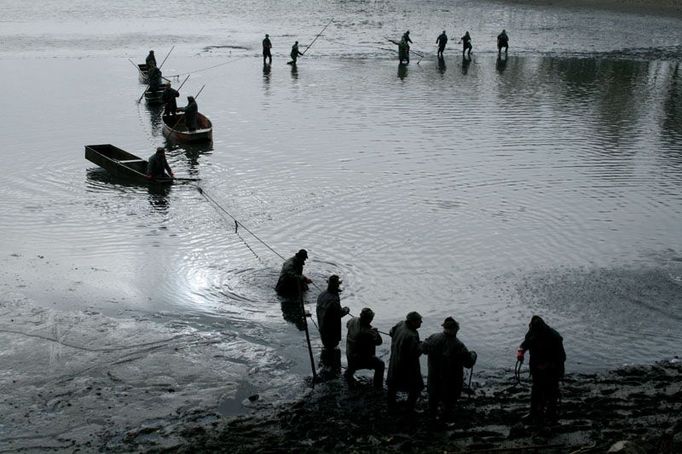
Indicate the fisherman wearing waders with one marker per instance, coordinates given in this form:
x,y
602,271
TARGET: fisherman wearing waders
x,y
329,314
448,357
361,343
294,53
157,165
191,113
502,41
404,370
466,44
267,45
291,279
547,357
442,40
151,60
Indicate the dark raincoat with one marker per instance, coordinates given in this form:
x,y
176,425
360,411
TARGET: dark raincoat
x,y
447,359
156,165
361,342
291,278
546,348
151,61
404,370
169,95
191,110
329,315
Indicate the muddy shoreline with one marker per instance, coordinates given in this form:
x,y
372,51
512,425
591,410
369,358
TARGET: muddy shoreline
x,y
642,404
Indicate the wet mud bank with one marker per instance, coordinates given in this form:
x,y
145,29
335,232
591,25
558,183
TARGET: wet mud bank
x,y
642,404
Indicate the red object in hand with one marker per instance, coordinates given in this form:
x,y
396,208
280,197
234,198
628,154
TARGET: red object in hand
x,y
519,354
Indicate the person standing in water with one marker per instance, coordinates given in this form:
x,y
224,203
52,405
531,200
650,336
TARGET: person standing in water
x,y
294,53
502,41
441,41
267,45
466,44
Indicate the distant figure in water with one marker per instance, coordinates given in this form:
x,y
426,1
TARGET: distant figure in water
x,y
329,315
267,45
442,40
361,342
155,78
466,44
292,281
502,42
547,357
170,106
151,60
403,52
157,166
448,357
406,37
191,113
294,53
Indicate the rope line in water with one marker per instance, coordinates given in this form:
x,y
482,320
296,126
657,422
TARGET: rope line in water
x,y
210,67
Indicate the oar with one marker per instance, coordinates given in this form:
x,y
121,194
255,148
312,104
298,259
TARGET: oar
x,y
318,35
167,55
183,82
133,63
186,179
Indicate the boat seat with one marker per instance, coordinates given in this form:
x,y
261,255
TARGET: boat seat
x,y
128,161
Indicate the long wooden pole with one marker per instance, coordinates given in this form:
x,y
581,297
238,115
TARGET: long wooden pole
x,y
307,334
318,35
167,55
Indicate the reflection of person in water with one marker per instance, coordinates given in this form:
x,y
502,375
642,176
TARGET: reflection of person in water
x,y
466,61
441,65
402,71
501,63
292,312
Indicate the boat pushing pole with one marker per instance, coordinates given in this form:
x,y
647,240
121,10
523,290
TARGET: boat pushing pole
x,y
167,55
307,334
318,35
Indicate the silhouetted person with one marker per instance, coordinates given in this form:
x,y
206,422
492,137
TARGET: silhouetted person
x,y
157,165
150,60
291,280
294,53
502,42
406,37
329,314
361,342
466,44
267,46
155,78
404,371
547,357
168,97
448,357
191,114
442,40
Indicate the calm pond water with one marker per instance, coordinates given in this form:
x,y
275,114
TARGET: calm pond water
x,y
489,190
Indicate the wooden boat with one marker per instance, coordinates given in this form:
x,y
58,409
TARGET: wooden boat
x,y
143,73
121,164
155,97
174,128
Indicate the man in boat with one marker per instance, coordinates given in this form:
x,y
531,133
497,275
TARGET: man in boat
x,y
442,40
151,60
155,79
157,166
329,314
547,357
294,53
404,371
448,357
361,342
502,41
292,282
466,44
191,113
170,106
267,45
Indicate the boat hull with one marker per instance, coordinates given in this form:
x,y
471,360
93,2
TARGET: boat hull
x,y
143,73
121,164
175,129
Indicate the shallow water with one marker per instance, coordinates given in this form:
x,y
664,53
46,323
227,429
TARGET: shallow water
x,y
491,190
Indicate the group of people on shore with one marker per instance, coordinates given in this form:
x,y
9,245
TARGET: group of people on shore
x,y
447,355
403,47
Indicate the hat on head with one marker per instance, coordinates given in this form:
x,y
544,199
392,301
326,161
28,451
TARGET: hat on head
x,y
367,314
160,149
413,317
302,254
450,323
334,279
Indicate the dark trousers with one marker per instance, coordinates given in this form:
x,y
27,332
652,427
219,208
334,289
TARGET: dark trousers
x,y
544,395
444,395
372,363
330,358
